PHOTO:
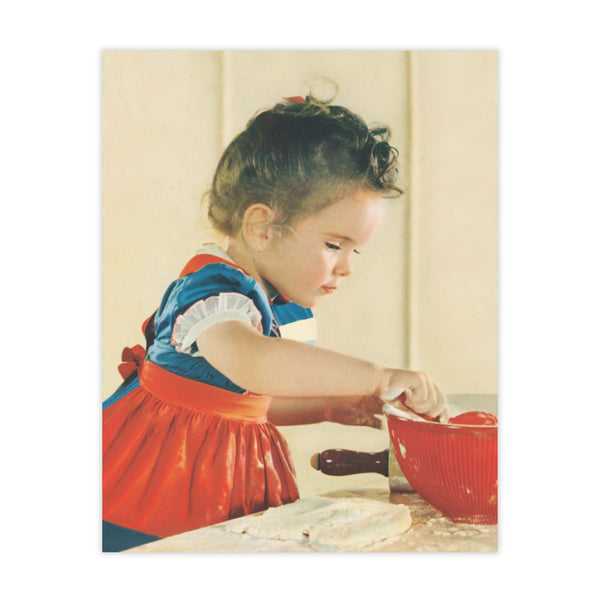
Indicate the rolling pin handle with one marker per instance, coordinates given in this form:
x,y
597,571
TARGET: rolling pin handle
x,y
349,462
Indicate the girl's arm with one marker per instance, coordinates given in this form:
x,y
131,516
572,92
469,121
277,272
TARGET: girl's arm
x,y
281,367
286,368
346,410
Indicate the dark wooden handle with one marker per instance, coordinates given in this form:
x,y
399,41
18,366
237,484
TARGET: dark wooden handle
x,y
350,462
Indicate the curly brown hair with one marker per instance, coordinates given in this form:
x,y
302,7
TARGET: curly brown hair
x,y
298,158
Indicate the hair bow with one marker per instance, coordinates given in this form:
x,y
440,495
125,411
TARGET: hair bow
x,y
298,99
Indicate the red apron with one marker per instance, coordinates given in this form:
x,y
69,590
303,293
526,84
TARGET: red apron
x,y
179,454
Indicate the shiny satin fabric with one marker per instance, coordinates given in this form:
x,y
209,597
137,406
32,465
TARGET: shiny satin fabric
x,y
179,454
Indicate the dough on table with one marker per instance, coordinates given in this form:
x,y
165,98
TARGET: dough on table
x,y
347,524
287,522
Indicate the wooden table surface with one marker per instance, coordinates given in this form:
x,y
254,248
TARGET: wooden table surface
x,y
430,532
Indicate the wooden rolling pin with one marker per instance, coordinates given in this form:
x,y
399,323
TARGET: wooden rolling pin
x,y
337,461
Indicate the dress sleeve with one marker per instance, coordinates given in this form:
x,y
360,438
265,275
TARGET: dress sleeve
x,y
214,294
227,306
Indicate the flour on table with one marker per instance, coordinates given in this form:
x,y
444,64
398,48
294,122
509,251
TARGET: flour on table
x,y
347,524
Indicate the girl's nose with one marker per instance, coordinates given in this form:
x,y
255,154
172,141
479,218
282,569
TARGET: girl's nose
x,y
344,266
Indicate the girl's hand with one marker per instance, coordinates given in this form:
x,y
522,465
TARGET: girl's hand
x,y
359,410
421,394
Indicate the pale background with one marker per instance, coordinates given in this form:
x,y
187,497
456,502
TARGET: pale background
x,y
423,295
549,298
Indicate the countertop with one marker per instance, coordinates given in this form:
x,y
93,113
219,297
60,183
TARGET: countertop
x,y
430,532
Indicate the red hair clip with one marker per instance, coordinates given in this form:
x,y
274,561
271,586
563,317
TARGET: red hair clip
x,y
298,99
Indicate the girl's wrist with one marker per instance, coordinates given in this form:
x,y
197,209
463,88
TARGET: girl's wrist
x,y
383,385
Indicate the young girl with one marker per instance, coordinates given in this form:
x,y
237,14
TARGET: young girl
x,y
189,438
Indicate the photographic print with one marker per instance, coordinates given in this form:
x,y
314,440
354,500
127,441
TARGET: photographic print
x,y
300,301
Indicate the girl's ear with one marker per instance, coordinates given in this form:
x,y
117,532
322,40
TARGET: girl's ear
x,y
257,226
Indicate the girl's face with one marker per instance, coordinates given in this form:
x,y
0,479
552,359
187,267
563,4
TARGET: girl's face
x,y
312,261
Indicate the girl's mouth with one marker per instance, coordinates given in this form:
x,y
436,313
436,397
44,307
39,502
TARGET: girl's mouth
x,y
328,290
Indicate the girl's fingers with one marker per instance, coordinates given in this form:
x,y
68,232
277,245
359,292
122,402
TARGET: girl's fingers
x,y
363,419
444,413
375,423
372,406
432,396
375,405
423,396
419,396
414,394
441,405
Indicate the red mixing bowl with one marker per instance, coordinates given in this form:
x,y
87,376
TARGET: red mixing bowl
x,y
453,467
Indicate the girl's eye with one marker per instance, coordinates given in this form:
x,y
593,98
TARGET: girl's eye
x,y
333,246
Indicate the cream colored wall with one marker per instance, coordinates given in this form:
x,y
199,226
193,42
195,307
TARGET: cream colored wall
x,y
160,140
167,116
453,221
